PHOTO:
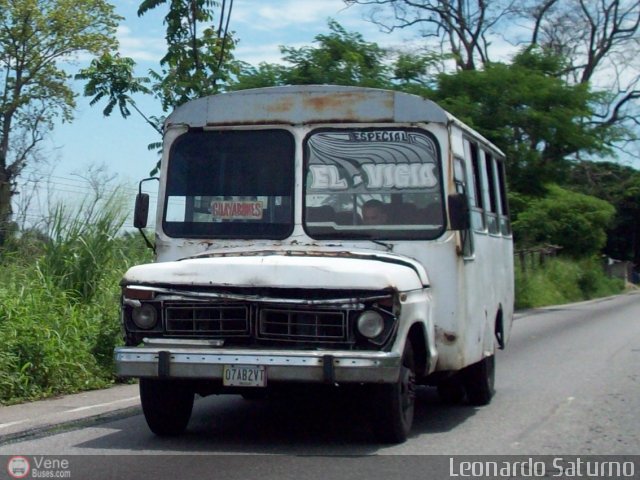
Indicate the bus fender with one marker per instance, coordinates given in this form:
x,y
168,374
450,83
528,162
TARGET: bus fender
x,y
423,350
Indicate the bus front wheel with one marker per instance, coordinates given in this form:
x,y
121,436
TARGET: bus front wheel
x,y
394,403
166,404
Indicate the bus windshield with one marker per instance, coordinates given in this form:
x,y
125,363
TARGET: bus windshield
x,y
373,183
230,184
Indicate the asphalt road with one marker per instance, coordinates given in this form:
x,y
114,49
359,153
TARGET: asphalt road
x,y
568,384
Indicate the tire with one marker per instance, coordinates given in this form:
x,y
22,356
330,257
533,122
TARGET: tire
x,y
394,403
167,405
479,381
451,390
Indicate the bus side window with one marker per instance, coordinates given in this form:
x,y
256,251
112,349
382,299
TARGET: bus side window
x,y
492,205
505,223
475,188
460,178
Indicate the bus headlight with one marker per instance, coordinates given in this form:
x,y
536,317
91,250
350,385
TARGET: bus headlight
x,y
370,324
144,316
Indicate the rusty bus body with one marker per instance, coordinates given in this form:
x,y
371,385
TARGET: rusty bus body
x,y
269,272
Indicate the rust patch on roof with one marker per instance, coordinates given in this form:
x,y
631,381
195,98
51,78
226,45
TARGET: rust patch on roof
x,y
284,105
336,101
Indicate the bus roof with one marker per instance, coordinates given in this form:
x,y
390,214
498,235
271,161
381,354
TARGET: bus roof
x,y
307,104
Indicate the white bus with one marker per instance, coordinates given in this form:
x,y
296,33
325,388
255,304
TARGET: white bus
x,y
320,235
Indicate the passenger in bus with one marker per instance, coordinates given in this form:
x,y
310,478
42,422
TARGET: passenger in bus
x,y
374,213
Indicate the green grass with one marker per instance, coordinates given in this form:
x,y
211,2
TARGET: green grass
x,y
561,281
59,303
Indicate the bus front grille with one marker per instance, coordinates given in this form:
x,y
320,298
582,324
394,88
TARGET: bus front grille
x,y
214,320
302,325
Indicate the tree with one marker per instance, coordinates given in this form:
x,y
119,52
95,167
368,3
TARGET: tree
x,y
413,72
111,77
340,57
574,221
462,28
264,75
35,36
620,186
534,116
597,39
587,33
198,61
525,107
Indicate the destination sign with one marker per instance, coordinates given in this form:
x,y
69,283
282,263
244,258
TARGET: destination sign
x,y
237,210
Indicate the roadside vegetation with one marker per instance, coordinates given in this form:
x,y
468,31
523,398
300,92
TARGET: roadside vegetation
x,y
59,302
576,226
563,280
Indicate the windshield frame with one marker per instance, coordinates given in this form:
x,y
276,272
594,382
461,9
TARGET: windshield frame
x,y
379,232
234,230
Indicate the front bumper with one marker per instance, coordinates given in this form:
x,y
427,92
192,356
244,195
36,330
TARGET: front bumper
x,y
282,366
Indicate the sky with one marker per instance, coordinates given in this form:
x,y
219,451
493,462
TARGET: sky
x,y
73,151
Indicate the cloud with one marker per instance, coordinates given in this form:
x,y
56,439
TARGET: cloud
x,y
268,52
140,48
255,54
262,28
278,14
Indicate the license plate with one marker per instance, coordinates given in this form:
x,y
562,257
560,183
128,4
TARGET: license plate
x,y
244,376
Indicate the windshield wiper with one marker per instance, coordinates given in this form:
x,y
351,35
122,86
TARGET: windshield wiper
x,y
366,236
386,245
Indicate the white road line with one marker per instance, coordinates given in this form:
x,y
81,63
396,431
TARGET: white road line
x,y
98,405
10,424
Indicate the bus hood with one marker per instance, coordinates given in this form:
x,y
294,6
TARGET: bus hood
x,y
286,269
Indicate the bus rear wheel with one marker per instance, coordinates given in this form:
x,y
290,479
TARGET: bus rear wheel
x,y
167,405
394,403
479,381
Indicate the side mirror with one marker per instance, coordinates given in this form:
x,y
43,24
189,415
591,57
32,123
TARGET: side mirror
x,y
141,212
459,218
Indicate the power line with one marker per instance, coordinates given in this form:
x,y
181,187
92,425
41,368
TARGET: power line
x,y
74,179
41,191
83,188
83,183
